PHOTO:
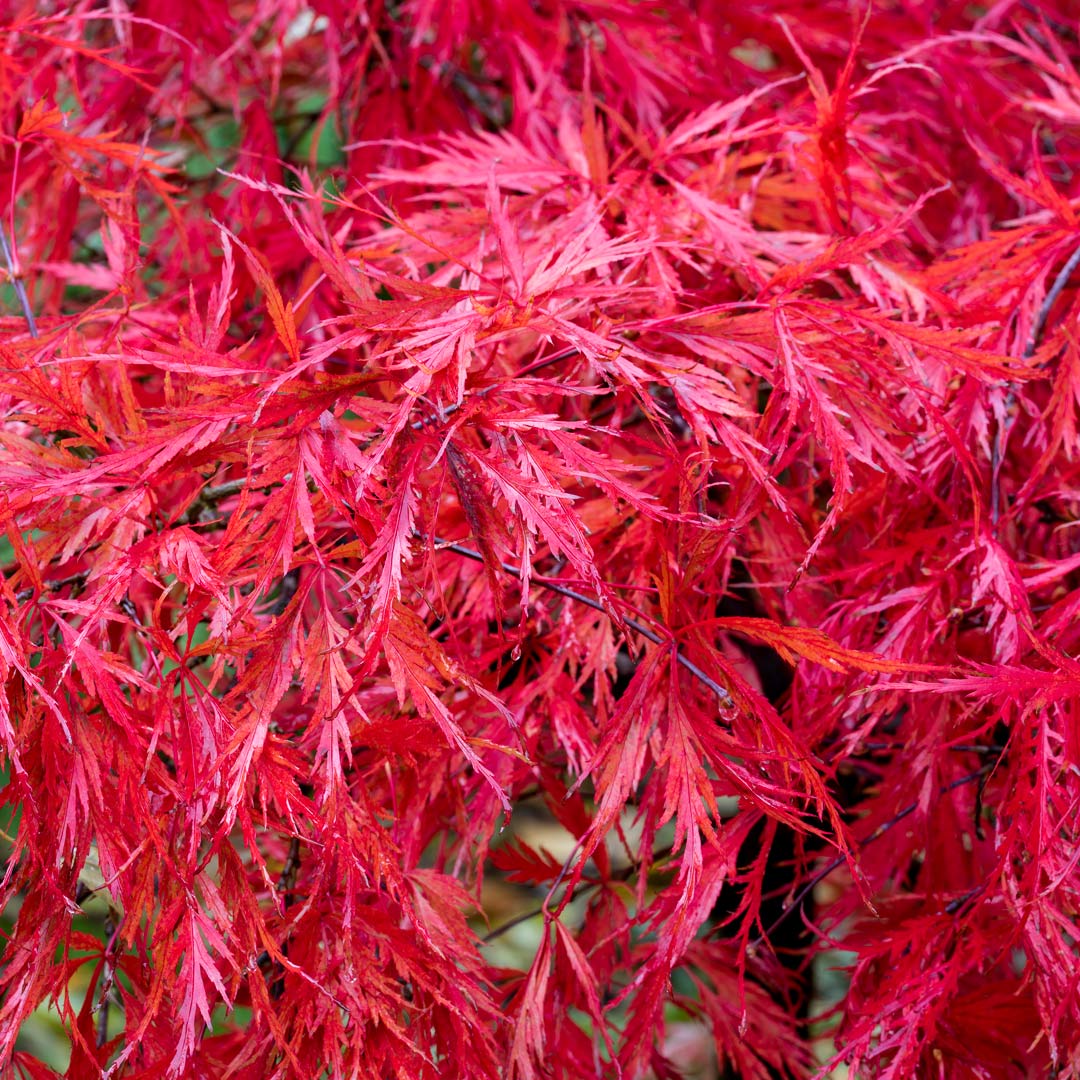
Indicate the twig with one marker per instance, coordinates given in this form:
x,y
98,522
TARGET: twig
x,y
997,451
17,282
310,120
286,884
953,906
1059,28
54,586
289,584
529,369
588,601
287,881
959,748
517,920
623,875
1051,298
839,861
543,908
208,497
102,1007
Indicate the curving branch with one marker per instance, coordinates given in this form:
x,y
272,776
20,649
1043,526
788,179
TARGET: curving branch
x,y
7,248
634,624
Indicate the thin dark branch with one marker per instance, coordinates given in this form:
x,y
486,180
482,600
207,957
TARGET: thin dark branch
x,y
287,880
517,920
289,584
1062,30
840,860
624,874
1051,298
77,580
209,497
15,276
310,120
953,906
286,885
102,1007
580,598
959,748
997,451
529,369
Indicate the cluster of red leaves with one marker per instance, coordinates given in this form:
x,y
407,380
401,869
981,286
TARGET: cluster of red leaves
x,y
411,410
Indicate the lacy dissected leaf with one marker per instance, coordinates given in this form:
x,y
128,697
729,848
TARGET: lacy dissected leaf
x,y
539,541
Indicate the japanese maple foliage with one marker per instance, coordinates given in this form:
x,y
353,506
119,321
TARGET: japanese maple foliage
x,y
659,418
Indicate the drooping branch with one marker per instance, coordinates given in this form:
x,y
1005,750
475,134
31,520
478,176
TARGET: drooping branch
x,y
634,624
209,497
625,874
835,863
1045,307
7,248
997,451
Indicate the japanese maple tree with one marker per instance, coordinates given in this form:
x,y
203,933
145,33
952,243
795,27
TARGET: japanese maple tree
x,y
656,421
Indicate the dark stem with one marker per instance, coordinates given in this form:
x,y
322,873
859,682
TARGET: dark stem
x,y
209,497
1051,298
839,861
15,277
77,580
102,1008
286,885
625,874
997,452
633,624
